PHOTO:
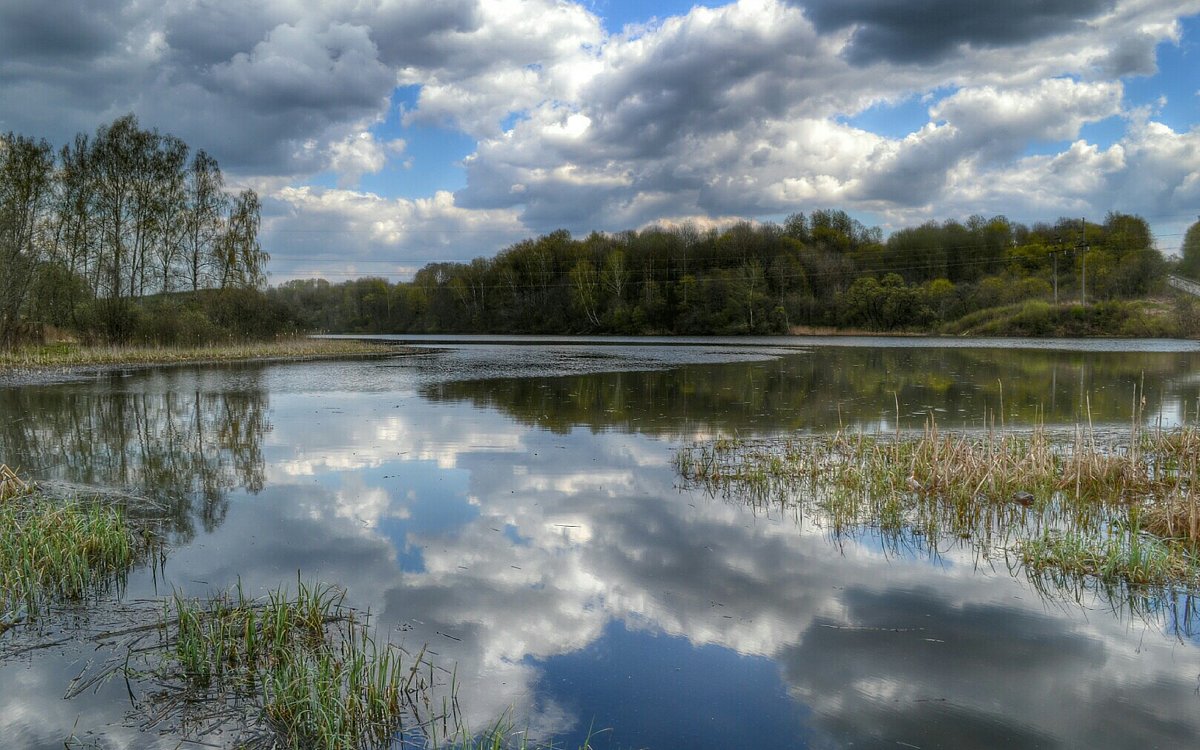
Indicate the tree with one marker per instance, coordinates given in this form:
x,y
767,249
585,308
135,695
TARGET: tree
x,y
25,178
614,276
750,290
241,261
585,290
73,240
205,206
1190,252
130,167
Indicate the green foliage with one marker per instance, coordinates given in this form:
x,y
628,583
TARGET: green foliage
x,y
1006,491
87,236
306,666
1189,264
53,551
1138,318
826,269
25,176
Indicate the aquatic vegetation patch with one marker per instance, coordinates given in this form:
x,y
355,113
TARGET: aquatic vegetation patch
x,y
1119,509
293,671
53,550
1132,557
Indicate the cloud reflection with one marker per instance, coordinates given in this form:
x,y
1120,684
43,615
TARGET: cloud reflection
x,y
510,545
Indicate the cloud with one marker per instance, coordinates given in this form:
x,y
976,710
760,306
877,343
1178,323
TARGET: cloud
x,y
924,31
1152,170
361,154
518,55
977,129
337,232
298,67
38,30
748,109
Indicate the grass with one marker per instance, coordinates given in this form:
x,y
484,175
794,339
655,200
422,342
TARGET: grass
x,y
305,663
1119,510
301,671
74,355
312,674
52,550
1132,557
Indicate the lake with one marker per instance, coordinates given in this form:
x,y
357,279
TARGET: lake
x,y
511,504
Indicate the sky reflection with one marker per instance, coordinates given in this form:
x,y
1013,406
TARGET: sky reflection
x,y
554,564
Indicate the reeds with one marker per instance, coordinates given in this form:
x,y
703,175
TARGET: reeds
x,y
1132,557
1119,509
306,663
11,484
52,550
73,355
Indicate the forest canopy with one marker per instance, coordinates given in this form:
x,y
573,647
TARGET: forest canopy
x,y
823,269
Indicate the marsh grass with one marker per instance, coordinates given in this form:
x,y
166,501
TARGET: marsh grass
x,y
302,671
305,663
54,550
1120,509
1133,557
61,355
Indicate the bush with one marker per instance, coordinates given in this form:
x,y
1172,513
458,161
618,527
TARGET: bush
x,y
1035,318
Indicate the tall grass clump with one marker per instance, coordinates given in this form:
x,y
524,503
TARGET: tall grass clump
x,y
305,662
1132,557
1119,509
57,550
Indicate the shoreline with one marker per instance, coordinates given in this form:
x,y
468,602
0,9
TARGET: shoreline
x,y
45,366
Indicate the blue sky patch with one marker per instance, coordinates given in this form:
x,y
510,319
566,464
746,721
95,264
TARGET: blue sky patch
x,y
661,691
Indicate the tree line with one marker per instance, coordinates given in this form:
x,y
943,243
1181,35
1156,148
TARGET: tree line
x,y
100,235
823,269
126,235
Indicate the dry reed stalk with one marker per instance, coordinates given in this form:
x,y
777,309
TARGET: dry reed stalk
x,y
11,484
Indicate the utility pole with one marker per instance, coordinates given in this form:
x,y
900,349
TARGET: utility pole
x,y
1083,244
1054,257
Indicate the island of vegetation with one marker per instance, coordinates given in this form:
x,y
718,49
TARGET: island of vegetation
x,y
126,238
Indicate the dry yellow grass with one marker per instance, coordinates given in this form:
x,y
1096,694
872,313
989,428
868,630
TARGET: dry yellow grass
x,y
64,355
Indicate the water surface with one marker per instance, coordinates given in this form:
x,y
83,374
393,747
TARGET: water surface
x,y
514,507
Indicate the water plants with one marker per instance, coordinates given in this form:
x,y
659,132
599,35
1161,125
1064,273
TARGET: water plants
x,y
52,549
1121,508
293,670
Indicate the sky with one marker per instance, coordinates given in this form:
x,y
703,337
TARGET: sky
x,y
386,134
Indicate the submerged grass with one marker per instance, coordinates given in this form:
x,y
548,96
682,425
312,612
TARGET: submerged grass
x,y
51,550
75,355
1121,510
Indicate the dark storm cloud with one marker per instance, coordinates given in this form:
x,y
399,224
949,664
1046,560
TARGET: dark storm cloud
x,y
407,32
264,87
926,31
58,30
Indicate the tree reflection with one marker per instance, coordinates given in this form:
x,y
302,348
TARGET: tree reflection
x,y
856,387
176,436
